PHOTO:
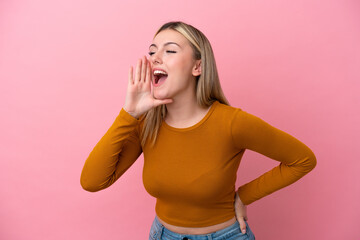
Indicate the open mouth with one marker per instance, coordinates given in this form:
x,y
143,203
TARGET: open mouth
x,y
159,77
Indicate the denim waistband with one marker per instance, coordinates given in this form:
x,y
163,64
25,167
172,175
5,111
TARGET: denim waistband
x,y
209,236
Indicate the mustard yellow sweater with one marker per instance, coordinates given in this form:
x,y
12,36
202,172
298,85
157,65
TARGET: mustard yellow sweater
x,y
192,171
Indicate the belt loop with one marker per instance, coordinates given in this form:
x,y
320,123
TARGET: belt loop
x,y
160,232
209,237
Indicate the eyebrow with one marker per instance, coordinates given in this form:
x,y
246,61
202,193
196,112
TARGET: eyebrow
x,y
154,45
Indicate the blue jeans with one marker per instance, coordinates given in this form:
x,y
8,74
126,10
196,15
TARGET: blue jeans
x,y
233,232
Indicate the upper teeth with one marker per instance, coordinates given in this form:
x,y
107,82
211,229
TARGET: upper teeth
x,y
157,72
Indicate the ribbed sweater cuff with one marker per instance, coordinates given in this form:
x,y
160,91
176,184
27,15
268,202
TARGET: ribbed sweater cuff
x,y
127,117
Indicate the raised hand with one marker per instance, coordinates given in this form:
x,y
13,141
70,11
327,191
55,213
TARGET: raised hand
x,y
139,98
240,212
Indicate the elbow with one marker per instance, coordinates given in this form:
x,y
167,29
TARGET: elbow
x,y
92,183
311,162
305,164
87,186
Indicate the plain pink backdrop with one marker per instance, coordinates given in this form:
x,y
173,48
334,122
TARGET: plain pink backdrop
x,y
63,70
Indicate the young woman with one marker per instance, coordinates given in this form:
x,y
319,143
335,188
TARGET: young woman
x,y
177,115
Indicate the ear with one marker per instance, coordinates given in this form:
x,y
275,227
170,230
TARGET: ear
x,y
197,68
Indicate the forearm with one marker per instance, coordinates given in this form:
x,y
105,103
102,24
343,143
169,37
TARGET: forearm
x,y
275,179
116,151
296,159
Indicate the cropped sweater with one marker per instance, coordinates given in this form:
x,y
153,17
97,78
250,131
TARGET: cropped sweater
x,y
192,171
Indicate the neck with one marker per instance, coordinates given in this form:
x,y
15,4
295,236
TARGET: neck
x,y
182,109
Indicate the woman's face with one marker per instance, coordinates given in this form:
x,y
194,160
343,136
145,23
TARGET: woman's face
x,y
171,52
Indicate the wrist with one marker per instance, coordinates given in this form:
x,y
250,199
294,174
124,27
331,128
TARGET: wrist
x,y
134,115
239,199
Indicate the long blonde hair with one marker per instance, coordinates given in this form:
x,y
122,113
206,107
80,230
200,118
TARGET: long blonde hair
x,y
208,88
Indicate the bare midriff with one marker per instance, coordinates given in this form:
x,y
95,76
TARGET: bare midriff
x,y
202,230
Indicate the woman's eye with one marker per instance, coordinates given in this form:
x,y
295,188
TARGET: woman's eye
x,y
168,51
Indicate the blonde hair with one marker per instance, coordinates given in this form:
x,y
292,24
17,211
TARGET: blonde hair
x,y
208,88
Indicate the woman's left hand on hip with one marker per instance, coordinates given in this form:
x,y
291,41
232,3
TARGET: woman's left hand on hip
x,y
240,212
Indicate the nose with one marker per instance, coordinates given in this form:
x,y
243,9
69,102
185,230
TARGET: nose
x,y
156,58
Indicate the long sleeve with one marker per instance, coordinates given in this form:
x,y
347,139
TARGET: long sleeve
x,y
116,151
296,159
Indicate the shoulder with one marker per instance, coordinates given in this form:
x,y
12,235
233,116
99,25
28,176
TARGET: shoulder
x,y
235,112
226,108
237,119
227,111
229,116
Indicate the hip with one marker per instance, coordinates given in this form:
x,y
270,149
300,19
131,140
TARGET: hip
x,y
159,232
197,230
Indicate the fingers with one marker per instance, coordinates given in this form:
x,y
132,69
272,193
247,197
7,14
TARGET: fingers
x,y
148,73
144,65
242,224
131,77
143,70
240,213
138,71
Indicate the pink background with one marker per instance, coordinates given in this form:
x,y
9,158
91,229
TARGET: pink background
x,y
63,71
